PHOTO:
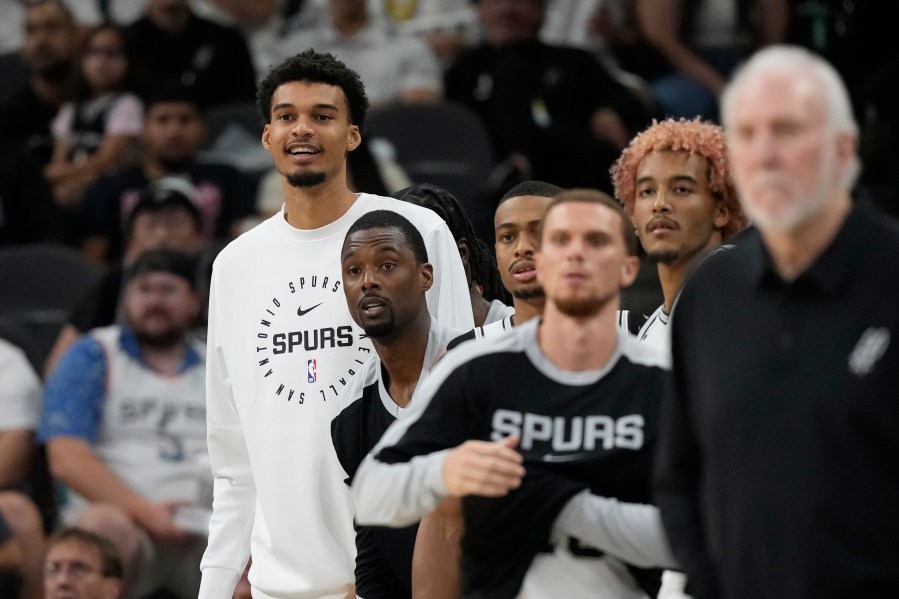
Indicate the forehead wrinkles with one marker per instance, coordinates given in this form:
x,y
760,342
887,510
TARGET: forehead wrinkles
x,y
387,239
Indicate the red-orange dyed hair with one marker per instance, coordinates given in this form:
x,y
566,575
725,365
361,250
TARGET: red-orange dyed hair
x,y
693,136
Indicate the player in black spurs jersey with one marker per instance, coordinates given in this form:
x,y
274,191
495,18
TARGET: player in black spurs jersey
x,y
531,422
385,276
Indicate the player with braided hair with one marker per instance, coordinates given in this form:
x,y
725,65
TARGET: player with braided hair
x,y
485,300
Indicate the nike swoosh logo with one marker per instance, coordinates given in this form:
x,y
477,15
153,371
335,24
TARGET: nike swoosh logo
x,y
301,312
571,457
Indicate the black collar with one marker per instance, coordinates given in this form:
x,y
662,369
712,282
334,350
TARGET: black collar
x,y
831,268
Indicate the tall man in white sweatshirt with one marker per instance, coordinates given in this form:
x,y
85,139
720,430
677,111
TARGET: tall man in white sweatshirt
x,y
282,346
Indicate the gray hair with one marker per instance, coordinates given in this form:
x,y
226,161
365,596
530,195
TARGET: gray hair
x,y
802,62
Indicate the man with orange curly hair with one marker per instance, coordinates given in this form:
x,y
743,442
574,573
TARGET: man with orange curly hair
x,y
674,182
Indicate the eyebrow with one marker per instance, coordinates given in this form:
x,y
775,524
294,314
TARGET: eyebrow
x,y
320,106
674,178
508,225
385,249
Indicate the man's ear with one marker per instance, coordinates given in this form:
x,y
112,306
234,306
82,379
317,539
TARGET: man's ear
x,y
354,138
427,276
722,214
846,151
266,141
629,270
464,251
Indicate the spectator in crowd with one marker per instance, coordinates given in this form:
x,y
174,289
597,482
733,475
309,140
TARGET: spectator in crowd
x,y
701,42
172,135
27,211
390,306
674,182
286,267
20,408
96,132
776,473
21,546
50,53
21,530
125,427
553,112
571,367
82,565
448,26
174,46
393,67
165,216
486,304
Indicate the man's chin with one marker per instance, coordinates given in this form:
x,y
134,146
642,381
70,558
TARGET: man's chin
x,y
306,179
527,293
160,338
663,256
579,307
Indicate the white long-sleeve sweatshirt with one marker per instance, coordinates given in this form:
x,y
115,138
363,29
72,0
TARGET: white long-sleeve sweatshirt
x,y
281,347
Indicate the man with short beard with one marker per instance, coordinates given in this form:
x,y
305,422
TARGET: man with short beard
x,y
776,473
174,129
385,276
283,345
48,52
125,427
576,397
674,182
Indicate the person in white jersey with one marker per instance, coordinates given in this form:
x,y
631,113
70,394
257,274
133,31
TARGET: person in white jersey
x,y
674,182
125,428
283,346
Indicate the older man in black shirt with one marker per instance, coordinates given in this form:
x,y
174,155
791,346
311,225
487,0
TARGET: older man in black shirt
x,y
777,472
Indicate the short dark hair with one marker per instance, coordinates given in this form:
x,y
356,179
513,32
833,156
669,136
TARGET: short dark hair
x,y
532,188
388,219
172,93
111,560
168,261
314,67
594,196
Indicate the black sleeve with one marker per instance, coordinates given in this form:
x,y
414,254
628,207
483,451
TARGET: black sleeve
x,y
677,477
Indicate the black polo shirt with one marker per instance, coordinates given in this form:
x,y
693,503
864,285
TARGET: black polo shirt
x,y
778,473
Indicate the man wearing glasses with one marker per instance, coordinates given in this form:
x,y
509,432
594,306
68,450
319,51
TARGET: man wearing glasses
x,y
81,565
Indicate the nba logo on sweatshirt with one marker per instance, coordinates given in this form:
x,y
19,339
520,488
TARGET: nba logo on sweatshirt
x,y
311,370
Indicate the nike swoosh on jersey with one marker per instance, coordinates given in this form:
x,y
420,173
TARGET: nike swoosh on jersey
x,y
301,312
